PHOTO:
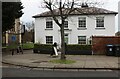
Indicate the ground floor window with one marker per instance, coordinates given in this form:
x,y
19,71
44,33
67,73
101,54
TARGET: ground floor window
x,y
49,39
81,39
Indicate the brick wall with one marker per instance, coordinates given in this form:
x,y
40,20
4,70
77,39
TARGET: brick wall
x,y
99,43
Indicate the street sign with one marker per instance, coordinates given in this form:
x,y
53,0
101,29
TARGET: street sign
x,y
13,38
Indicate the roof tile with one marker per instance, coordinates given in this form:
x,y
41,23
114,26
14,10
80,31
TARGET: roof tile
x,y
77,11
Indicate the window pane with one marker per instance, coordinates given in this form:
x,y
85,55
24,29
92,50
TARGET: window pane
x,y
81,39
49,39
82,21
99,21
66,24
49,23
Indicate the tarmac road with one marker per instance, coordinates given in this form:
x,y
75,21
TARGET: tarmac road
x,y
23,72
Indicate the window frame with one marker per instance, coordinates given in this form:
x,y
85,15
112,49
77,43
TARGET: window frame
x,y
65,24
83,41
49,23
49,40
82,22
100,22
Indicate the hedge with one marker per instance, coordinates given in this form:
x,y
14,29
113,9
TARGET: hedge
x,y
78,47
42,48
70,49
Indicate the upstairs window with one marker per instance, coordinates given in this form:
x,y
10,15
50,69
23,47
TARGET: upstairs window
x,y
82,21
65,24
81,39
99,22
49,39
49,23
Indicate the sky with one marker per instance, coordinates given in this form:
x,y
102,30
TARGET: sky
x,y
33,7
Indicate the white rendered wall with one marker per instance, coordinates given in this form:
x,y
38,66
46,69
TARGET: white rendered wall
x,y
119,16
40,26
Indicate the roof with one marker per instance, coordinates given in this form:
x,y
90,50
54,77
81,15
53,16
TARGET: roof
x,y
77,11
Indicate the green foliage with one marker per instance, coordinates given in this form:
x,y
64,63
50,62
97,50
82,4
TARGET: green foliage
x,y
68,47
12,46
25,46
43,46
117,34
78,47
28,46
10,12
63,61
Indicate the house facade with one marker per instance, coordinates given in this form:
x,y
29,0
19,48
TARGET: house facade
x,y
119,16
79,26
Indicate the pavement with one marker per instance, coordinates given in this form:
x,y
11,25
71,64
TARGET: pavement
x,y
41,61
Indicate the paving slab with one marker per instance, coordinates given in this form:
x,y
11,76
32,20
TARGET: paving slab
x,y
82,61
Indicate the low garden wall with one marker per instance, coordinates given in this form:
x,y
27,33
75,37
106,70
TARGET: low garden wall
x,y
99,43
70,49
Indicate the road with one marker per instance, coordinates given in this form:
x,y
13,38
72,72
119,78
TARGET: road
x,y
27,72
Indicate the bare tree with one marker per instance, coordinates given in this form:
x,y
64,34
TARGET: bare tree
x,y
63,8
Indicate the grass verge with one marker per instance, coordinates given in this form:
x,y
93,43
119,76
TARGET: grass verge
x,y
62,61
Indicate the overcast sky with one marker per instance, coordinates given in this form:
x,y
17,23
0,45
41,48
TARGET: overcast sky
x,y
33,7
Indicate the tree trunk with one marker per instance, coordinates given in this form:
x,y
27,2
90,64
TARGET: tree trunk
x,y
62,44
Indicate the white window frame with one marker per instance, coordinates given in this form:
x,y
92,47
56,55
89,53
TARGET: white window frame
x,y
82,22
82,42
49,39
49,23
100,22
65,24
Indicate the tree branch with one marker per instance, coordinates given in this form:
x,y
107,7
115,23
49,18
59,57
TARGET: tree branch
x,y
49,6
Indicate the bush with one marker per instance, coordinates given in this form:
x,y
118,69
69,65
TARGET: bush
x,y
70,49
28,46
43,48
78,47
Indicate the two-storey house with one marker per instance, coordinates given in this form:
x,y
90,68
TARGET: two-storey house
x,y
119,16
80,25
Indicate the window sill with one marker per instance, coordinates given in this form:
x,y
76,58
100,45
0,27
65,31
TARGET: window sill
x,y
99,28
66,29
49,29
82,28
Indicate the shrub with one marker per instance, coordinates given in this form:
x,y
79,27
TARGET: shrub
x,y
28,46
43,48
78,47
70,49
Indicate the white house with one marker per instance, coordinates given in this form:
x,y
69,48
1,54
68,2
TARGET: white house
x,y
119,16
80,25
